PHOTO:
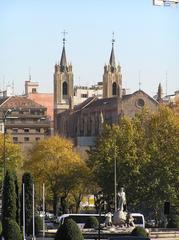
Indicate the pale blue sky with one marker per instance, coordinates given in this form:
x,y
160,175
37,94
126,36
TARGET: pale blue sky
x,y
147,40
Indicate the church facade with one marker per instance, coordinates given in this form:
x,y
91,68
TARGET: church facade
x,y
83,122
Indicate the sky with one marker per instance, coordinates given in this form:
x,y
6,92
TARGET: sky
x,y
146,42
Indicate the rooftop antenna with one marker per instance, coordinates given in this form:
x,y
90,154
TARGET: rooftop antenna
x,y
139,79
29,73
64,39
3,83
13,87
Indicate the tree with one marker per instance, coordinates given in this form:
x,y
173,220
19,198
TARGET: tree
x,y
160,180
17,199
8,198
8,202
14,155
117,143
146,151
54,162
27,179
12,230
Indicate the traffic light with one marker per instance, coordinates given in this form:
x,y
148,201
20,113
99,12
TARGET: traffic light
x,y
166,208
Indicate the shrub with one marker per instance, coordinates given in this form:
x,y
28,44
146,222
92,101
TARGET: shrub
x,y
38,225
12,230
173,222
69,231
92,222
140,232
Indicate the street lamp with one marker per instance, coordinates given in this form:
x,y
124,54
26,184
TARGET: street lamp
x,y
101,202
115,181
4,138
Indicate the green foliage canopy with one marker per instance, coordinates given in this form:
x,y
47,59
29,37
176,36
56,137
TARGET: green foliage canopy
x,y
146,149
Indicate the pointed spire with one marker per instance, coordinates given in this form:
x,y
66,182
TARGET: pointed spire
x,y
63,61
112,57
159,93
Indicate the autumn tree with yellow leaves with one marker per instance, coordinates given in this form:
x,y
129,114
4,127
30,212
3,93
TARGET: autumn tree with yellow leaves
x,y
54,162
13,155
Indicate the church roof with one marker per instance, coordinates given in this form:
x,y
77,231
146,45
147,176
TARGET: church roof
x,y
94,102
126,97
84,104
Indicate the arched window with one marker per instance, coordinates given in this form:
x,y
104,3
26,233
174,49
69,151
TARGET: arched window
x,y
65,88
114,89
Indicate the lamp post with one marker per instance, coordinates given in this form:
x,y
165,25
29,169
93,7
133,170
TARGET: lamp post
x,y
101,203
115,177
4,139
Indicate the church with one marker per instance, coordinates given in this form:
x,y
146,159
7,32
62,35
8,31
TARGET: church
x,y
83,122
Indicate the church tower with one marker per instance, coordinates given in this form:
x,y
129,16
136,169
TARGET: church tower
x,y
63,84
112,78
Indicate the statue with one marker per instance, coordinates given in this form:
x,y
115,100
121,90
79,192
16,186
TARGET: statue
x,y
130,220
119,217
108,220
121,200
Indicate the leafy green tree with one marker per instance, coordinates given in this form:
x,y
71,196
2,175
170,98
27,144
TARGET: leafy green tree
x,y
27,179
8,198
160,179
12,230
17,199
146,152
117,143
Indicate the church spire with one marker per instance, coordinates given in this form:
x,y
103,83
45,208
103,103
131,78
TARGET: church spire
x,y
159,93
63,61
112,57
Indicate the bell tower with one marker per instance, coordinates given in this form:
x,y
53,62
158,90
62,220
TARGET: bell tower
x,y
63,83
112,77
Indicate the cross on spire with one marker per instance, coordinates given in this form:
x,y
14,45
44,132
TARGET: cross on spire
x,y
64,39
113,40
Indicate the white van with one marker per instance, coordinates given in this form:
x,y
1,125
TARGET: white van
x,y
138,219
80,219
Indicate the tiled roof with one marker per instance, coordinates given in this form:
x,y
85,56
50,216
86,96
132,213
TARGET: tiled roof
x,y
20,102
94,102
86,103
3,100
103,101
